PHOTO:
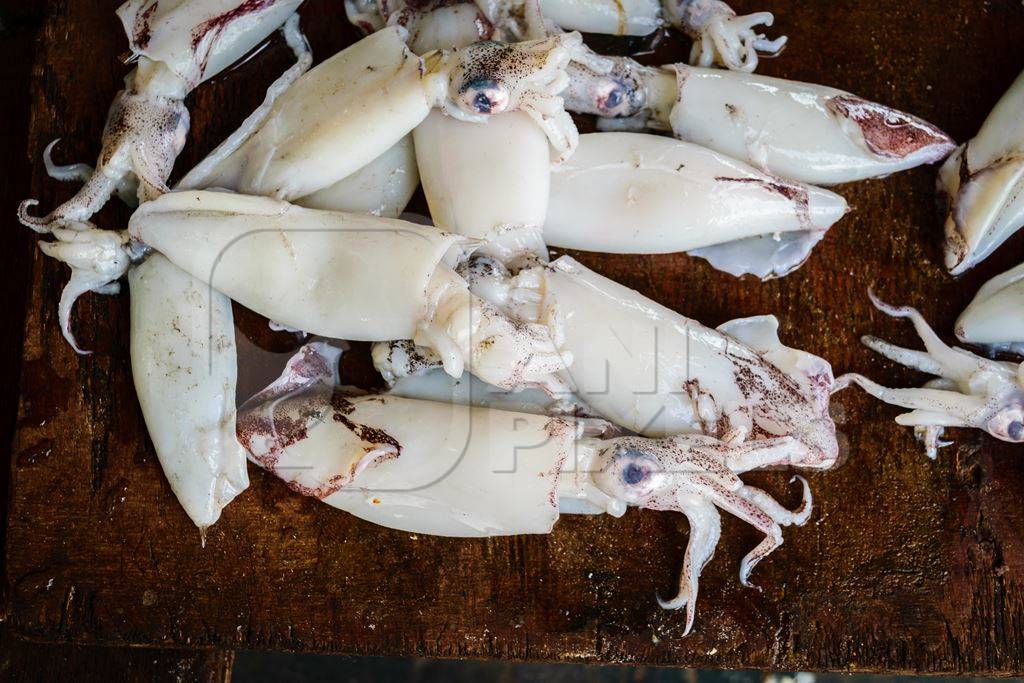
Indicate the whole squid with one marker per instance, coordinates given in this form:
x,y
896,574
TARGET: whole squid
x,y
176,44
983,183
344,275
445,469
799,131
968,390
654,372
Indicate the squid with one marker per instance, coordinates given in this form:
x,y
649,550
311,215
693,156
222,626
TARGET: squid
x,y
619,192
438,468
983,183
639,193
654,372
490,181
184,367
176,45
720,37
995,318
352,108
383,187
322,272
968,390
799,131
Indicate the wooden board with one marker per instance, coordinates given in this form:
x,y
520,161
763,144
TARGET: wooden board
x,y
28,662
908,565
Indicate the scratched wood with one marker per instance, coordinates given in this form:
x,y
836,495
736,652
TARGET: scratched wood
x,y
907,565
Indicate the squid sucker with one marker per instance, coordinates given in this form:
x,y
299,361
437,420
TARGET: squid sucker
x,y
968,390
451,470
176,45
983,183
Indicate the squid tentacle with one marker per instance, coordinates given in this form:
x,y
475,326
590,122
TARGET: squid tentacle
x,y
970,391
81,172
911,358
958,364
705,532
759,510
778,452
919,398
722,37
87,201
98,258
67,173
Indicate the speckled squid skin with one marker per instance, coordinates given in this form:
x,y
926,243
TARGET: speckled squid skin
x,y
430,466
183,351
177,44
651,370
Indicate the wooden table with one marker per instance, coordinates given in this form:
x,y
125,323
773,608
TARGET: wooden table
x,y
907,565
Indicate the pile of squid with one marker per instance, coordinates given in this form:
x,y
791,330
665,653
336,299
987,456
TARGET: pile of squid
x,y
520,388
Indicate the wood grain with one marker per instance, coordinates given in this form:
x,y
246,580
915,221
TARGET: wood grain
x,y
908,565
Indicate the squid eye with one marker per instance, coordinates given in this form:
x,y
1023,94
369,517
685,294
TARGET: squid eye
x,y
614,99
630,475
1008,425
483,96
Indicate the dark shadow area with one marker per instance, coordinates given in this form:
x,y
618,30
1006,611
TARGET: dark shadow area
x,y
260,667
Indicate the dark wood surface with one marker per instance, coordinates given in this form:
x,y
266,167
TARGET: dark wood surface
x,y
907,565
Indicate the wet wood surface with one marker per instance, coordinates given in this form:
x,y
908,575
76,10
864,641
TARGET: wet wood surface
x,y
907,564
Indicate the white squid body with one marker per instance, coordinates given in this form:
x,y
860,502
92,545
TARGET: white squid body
x,y
968,390
324,272
995,318
197,39
177,44
655,372
800,131
984,185
488,181
382,187
637,193
353,107
183,364
453,470
652,371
